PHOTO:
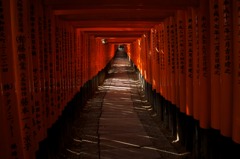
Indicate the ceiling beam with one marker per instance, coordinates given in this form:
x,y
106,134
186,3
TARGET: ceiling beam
x,y
163,4
120,40
113,24
112,29
108,34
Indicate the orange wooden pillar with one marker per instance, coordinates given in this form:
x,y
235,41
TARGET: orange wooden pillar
x,y
139,60
189,62
52,66
88,64
11,140
158,54
84,58
63,64
177,63
236,73
153,58
148,60
102,55
78,71
81,56
144,55
196,64
181,25
72,59
135,52
58,66
164,62
226,62
67,66
36,96
157,69
21,54
70,47
41,69
215,64
97,54
70,63
95,70
140,55
92,57
161,60
46,69
4,145
172,60
167,59
132,50
59,53
204,76
73,64
3,125
143,58
75,59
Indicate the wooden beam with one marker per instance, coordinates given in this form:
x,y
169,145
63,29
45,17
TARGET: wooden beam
x,y
112,29
123,3
108,34
113,24
109,11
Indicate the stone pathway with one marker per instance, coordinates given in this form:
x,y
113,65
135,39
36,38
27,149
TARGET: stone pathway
x,y
118,123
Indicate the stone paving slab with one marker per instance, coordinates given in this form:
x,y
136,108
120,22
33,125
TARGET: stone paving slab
x,y
128,139
129,153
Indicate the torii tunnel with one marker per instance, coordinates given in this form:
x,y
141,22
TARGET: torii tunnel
x,y
55,53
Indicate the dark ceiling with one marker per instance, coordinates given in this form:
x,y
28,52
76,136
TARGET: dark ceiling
x,y
118,20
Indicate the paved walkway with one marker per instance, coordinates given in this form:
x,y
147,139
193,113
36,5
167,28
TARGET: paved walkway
x,y
118,122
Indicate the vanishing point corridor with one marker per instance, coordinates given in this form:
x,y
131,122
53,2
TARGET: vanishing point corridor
x,y
128,79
